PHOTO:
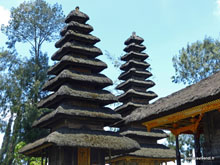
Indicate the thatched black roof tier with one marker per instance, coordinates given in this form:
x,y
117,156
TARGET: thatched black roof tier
x,y
134,73
76,26
72,35
134,47
99,81
77,16
134,64
105,115
131,93
134,55
202,92
138,83
75,47
84,138
159,152
128,107
143,134
102,97
134,39
68,61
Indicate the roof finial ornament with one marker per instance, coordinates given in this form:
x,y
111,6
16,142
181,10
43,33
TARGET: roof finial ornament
x,y
77,8
133,33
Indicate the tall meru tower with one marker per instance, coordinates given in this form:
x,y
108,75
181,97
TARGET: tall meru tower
x,y
136,94
78,103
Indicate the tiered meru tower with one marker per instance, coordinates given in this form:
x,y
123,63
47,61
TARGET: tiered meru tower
x,y
136,94
78,102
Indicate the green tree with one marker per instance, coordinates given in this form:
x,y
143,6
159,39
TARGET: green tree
x,y
197,61
20,159
21,80
194,63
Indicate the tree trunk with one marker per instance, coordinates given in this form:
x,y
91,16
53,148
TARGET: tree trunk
x,y
6,139
16,128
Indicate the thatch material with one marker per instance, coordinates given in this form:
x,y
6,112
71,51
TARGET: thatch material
x,y
77,16
98,80
132,93
133,82
85,138
82,28
204,91
128,107
131,55
134,64
155,153
143,134
72,35
73,47
134,39
106,115
134,72
158,153
134,47
64,92
95,65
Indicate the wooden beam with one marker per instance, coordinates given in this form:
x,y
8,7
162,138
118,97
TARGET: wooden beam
x,y
192,127
187,113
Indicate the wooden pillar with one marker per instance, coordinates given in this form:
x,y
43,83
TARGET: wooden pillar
x,y
197,148
83,156
178,156
110,157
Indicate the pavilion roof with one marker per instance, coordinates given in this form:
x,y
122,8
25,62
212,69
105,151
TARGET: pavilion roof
x,y
202,92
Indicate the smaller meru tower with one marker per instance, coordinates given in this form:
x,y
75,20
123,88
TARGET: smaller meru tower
x,y
78,103
136,94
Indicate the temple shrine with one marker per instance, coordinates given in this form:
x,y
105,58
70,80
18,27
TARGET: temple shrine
x,y
136,94
78,103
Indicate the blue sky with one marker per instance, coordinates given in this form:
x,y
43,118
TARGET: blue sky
x,y
166,26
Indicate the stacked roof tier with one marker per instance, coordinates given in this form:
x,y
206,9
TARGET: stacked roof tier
x,y
136,94
77,97
134,85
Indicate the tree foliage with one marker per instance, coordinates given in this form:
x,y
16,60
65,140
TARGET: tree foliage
x,y
34,22
21,79
21,159
185,145
197,61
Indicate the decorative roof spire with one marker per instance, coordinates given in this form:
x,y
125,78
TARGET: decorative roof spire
x,y
77,8
133,34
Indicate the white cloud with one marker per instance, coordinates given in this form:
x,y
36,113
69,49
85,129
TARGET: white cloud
x,y
5,16
217,8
